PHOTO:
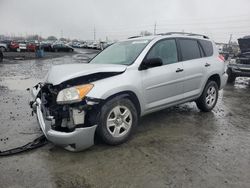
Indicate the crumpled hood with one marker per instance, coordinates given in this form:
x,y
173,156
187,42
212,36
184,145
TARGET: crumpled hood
x,y
61,73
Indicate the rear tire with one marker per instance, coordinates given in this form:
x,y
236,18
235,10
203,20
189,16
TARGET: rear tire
x,y
117,121
2,49
231,76
1,57
207,101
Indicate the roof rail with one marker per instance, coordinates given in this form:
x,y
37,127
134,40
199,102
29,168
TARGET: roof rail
x,y
183,33
133,37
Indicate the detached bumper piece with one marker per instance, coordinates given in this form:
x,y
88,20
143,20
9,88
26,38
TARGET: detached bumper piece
x,y
77,139
38,142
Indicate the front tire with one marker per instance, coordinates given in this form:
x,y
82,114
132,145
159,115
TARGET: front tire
x,y
207,101
117,121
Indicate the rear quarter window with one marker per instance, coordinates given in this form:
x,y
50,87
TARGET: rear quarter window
x,y
207,46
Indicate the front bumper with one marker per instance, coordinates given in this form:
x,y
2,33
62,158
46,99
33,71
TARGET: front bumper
x,y
240,69
77,140
240,72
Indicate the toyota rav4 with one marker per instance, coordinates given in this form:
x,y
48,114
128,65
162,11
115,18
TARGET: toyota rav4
x,y
127,80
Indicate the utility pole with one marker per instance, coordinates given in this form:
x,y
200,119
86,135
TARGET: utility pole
x,y
94,33
229,43
61,33
155,29
230,39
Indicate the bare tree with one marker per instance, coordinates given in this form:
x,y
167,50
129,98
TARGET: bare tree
x,y
145,33
51,38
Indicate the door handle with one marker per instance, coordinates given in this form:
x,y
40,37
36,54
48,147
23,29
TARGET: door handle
x,y
179,70
207,65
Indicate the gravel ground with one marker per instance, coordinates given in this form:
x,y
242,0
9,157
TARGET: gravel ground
x,y
176,147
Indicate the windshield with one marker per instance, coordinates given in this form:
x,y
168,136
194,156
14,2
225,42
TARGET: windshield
x,y
123,53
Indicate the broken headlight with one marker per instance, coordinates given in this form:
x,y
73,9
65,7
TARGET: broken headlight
x,y
73,94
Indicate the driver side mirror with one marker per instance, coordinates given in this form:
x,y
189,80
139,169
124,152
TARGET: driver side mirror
x,y
149,63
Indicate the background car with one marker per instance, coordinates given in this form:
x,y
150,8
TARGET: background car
x,y
14,46
31,47
239,66
22,46
46,47
62,48
3,47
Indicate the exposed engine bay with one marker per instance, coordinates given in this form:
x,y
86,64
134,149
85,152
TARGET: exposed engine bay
x,y
70,124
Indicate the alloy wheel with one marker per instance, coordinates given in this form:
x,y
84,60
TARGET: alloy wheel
x,y
119,121
211,96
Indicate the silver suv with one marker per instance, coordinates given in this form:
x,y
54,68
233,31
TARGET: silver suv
x,y
127,80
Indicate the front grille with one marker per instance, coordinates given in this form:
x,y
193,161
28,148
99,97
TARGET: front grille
x,y
244,70
243,61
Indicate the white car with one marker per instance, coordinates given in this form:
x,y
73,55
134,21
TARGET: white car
x,y
22,47
3,47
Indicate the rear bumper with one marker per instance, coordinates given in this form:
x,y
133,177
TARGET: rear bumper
x,y
77,140
223,80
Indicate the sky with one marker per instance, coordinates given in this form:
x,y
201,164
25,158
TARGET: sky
x,y
117,19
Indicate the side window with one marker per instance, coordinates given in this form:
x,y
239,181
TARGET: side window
x,y
189,49
207,47
166,50
201,51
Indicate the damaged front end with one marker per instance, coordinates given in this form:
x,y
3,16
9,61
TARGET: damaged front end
x,y
66,115
240,66
69,124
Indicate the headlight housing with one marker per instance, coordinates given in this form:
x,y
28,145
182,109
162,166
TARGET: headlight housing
x,y
73,94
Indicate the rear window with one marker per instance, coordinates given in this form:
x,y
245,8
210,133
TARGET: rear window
x,y
189,49
207,47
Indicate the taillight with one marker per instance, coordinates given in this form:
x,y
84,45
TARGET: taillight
x,y
221,57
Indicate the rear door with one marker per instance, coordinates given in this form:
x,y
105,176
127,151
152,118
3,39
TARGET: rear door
x,y
193,64
163,85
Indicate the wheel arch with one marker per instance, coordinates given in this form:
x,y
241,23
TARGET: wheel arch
x,y
216,78
127,94
5,49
